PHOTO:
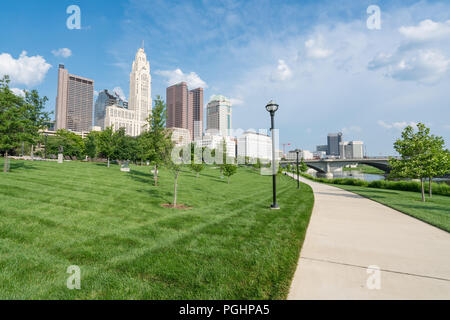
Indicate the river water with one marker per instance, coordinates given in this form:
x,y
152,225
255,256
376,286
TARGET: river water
x,y
355,174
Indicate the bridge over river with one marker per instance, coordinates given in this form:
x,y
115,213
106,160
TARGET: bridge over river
x,y
326,167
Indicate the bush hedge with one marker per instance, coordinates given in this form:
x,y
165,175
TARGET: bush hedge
x,y
414,186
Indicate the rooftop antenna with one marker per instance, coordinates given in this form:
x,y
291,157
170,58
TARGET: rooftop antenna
x,y
142,44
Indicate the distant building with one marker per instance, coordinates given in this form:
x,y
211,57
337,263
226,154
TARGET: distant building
x,y
219,115
196,102
351,150
104,100
320,155
74,102
303,154
140,87
255,146
185,109
133,119
322,148
181,136
333,141
215,141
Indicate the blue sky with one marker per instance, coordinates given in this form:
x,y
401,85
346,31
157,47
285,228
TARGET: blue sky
x,y
317,59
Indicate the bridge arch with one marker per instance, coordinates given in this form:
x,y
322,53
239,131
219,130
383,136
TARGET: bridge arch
x,y
382,166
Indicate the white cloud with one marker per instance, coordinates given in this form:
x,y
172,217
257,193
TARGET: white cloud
x,y
427,30
95,93
25,70
315,48
396,125
236,101
18,92
118,91
176,76
62,52
282,73
426,66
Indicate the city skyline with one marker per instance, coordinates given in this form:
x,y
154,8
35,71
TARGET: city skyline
x,y
354,84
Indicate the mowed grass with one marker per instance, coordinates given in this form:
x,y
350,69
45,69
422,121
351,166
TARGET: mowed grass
x,y
435,211
111,224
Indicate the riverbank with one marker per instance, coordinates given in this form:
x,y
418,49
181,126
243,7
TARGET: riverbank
x,y
413,186
362,168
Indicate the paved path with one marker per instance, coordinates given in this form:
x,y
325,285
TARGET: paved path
x,y
347,233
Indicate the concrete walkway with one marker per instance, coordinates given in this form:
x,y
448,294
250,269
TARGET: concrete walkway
x,y
348,233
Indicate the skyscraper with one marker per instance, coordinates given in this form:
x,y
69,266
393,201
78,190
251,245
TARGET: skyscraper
x,y
140,87
185,108
106,99
333,142
218,117
196,101
74,102
134,119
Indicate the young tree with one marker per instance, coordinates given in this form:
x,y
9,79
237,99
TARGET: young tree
x,y
197,164
303,167
159,138
229,170
20,118
437,160
174,164
415,152
106,143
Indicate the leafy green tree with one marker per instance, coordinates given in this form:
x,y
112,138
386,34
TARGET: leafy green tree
x,y
258,164
303,167
20,118
437,160
106,143
91,144
159,141
415,149
229,170
142,147
124,147
73,145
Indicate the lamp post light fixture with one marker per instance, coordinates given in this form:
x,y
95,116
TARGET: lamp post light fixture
x,y
298,173
272,107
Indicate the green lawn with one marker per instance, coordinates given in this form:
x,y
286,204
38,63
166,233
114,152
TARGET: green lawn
x,y
435,211
363,168
111,224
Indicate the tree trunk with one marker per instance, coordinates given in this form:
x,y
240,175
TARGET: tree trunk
x,y
156,175
423,189
108,162
430,188
228,180
5,167
32,152
198,173
175,190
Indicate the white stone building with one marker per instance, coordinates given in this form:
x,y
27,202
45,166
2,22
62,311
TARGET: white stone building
x,y
211,141
181,136
305,154
255,146
351,150
134,119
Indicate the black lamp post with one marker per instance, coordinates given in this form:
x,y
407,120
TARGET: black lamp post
x,y
298,173
272,107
